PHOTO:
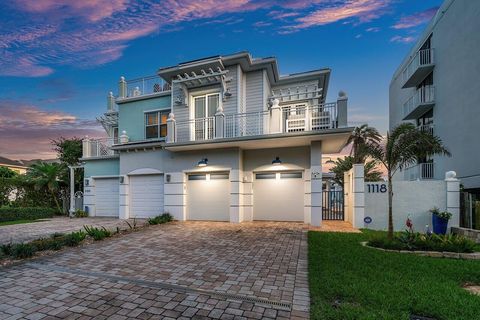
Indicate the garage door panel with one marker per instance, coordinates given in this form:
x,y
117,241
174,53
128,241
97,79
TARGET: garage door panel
x,y
278,199
209,199
106,197
146,196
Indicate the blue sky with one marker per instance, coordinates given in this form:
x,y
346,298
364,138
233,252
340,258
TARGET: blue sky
x,y
59,59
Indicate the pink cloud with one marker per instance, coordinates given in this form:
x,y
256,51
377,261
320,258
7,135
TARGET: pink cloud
x,y
363,10
415,19
402,39
27,130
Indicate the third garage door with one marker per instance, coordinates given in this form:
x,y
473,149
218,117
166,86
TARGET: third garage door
x,y
278,196
146,196
208,197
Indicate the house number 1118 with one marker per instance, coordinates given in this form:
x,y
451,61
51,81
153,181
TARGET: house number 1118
x,y
376,188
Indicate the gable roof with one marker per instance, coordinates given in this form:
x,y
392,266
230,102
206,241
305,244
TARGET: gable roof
x,y
9,162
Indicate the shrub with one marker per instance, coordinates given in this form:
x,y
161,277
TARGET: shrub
x,y
96,233
164,218
6,249
22,250
80,214
31,213
425,242
74,239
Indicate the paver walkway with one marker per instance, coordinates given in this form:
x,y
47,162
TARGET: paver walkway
x,y
16,233
184,270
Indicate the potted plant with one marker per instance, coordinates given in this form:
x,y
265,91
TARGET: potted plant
x,y
440,220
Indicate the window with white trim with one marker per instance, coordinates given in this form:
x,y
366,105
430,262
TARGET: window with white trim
x,y
156,124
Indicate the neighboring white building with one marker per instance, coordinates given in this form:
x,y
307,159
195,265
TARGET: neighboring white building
x,y
224,138
437,87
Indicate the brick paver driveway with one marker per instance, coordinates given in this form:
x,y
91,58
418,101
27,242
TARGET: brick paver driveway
x,y
180,270
16,233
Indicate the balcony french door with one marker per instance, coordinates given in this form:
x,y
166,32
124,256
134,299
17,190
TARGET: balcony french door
x,y
205,108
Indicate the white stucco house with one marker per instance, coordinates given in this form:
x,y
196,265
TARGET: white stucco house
x,y
223,138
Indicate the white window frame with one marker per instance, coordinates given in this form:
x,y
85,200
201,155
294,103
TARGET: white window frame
x,y
159,124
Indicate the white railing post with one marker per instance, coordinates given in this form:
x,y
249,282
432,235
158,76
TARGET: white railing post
x,y
86,147
123,137
342,102
171,128
110,102
219,123
275,117
122,88
453,197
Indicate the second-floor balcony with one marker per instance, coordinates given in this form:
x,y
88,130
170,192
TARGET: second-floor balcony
x,y
98,148
418,67
418,104
279,120
421,171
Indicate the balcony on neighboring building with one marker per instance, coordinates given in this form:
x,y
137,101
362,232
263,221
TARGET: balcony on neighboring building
x,y
421,102
421,171
419,66
142,87
98,148
426,128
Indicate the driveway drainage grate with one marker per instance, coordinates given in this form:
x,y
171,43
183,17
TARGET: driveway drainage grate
x,y
162,285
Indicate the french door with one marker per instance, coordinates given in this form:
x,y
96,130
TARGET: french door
x,y
205,107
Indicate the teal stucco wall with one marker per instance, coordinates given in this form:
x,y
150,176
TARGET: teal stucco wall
x,y
102,167
131,115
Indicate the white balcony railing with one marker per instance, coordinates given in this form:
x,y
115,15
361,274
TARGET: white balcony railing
x,y
98,148
290,120
426,128
421,58
421,171
423,95
296,93
145,86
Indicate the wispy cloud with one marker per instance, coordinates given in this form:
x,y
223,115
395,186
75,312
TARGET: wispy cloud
x,y
88,33
403,39
415,19
373,29
27,130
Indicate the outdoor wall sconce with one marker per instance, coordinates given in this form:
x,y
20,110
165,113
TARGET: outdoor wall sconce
x,y
277,161
202,163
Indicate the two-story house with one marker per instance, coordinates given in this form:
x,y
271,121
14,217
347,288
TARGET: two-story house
x,y
224,138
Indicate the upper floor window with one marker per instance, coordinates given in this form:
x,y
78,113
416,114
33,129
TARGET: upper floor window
x,y
156,124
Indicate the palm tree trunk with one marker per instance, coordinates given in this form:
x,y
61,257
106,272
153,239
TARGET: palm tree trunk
x,y
56,202
390,207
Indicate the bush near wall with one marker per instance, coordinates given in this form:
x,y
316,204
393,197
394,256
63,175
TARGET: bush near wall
x,y
29,213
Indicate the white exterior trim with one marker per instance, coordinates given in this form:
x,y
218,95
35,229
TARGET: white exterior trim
x,y
144,171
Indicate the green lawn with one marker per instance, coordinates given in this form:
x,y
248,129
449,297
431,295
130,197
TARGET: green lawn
x,y
7,223
349,281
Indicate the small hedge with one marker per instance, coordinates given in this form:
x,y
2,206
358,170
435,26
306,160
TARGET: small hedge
x,y
31,213
414,241
164,218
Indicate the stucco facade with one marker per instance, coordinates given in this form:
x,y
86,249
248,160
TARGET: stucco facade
x,y
449,104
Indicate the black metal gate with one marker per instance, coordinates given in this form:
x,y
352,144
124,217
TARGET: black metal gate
x,y
333,205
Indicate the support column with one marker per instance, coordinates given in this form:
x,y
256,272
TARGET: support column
x,y
453,197
175,195
72,190
124,198
342,120
235,203
316,183
110,102
358,196
86,147
171,129
275,117
219,123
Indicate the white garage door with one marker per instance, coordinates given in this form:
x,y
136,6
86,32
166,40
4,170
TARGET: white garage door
x,y
146,196
106,197
208,197
278,196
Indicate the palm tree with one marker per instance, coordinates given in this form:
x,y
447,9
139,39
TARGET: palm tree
x,y
401,149
359,137
47,175
345,164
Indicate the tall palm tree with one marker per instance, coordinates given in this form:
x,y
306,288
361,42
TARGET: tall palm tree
x,y
47,175
359,137
345,164
401,149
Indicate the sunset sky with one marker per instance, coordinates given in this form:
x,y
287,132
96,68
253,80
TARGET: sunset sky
x,y
59,61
